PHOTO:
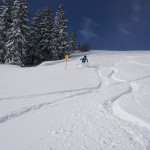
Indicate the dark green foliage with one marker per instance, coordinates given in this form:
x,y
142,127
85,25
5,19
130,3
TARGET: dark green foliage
x,y
44,40
73,43
5,24
18,35
36,38
60,35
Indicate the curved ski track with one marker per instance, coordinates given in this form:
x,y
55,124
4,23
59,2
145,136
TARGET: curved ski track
x,y
110,131
23,111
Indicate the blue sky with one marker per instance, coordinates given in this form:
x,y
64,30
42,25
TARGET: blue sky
x,y
105,24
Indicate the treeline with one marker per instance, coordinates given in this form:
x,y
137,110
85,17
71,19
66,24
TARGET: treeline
x,y
28,43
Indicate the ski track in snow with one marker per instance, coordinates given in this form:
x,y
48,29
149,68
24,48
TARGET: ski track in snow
x,y
133,87
106,133
139,63
23,111
110,132
50,93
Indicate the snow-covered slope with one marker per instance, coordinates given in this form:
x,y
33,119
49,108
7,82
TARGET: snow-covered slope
x,y
104,104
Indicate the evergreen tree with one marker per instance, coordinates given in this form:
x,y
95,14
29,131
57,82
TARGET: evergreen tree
x,y
43,41
2,35
18,44
36,37
5,24
25,28
60,35
73,43
46,42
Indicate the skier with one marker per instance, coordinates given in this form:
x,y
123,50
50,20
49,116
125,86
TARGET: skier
x,y
84,59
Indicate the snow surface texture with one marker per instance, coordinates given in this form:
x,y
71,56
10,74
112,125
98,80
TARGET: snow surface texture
x,y
102,105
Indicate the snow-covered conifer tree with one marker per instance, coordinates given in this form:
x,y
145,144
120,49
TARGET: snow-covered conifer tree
x,y
36,36
2,35
60,35
46,42
18,34
73,43
5,24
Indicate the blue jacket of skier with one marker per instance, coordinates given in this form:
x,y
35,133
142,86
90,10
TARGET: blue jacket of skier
x,y
84,59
